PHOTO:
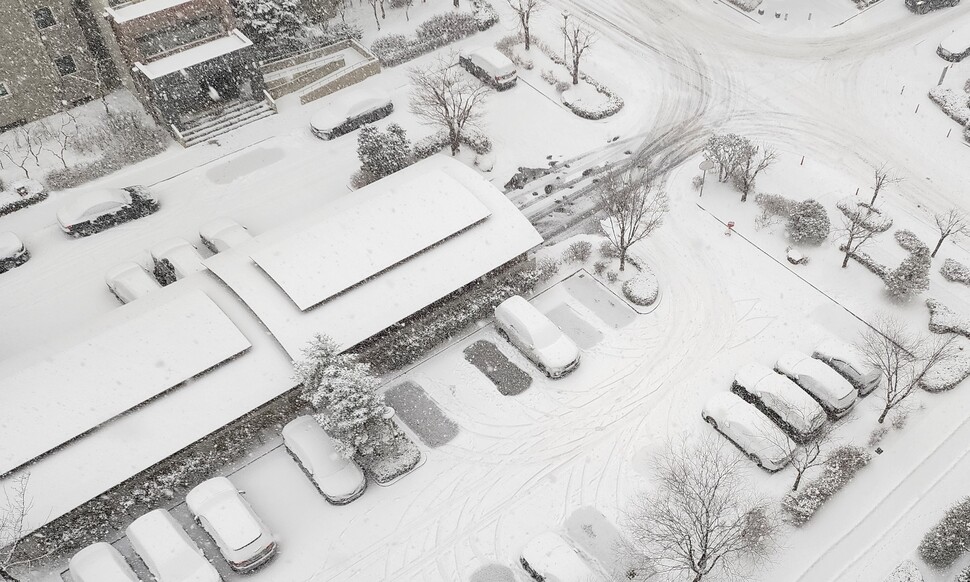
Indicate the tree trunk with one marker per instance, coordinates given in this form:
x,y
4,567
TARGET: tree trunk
x,y
575,73
939,243
697,577
744,195
6,576
456,3
383,15
622,258
885,412
454,137
845,260
525,29
798,479
376,19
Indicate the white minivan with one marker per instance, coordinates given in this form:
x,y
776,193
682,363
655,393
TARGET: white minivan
x,y
536,336
956,46
490,66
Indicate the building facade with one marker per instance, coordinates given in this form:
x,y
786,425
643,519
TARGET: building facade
x,y
52,58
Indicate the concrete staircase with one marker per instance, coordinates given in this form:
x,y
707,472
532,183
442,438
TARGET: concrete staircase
x,y
199,127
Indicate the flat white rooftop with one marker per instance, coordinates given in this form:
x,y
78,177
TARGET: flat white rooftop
x,y
139,9
73,391
195,55
353,245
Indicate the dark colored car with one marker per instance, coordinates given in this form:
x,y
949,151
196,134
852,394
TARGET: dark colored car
x,y
92,211
13,253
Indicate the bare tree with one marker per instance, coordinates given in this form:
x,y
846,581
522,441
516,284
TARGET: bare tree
x,y
17,157
861,222
99,82
524,9
63,136
749,165
633,208
579,38
702,519
724,150
445,97
13,526
953,222
809,453
882,176
373,4
903,356
31,140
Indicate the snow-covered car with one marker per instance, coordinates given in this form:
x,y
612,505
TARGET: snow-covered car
x,y
924,6
827,386
243,539
169,552
781,400
13,253
536,336
846,360
336,120
956,46
550,558
490,66
100,562
749,429
129,281
339,480
175,259
220,234
92,211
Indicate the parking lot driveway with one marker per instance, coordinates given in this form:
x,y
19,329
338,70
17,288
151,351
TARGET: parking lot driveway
x,y
573,325
507,377
422,414
600,300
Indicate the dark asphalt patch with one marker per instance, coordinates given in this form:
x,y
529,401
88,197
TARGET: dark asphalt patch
x,y
507,377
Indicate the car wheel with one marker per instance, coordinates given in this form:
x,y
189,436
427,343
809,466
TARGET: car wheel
x,y
543,369
711,421
754,459
502,334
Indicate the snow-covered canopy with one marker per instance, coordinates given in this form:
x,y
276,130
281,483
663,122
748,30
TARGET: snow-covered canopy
x,y
195,55
137,10
436,190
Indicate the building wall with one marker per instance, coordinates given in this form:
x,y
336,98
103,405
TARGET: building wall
x,y
27,66
128,32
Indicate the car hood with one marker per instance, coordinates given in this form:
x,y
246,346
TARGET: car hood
x,y
342,483
559,354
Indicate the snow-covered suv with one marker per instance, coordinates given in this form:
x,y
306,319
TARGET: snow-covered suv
x,y
95,210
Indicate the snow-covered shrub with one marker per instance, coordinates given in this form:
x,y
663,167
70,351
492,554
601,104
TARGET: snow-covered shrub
x,y
905,572
909,241
548,76
547,267
950,372
599,267
485,14
868,262
911,277
336,31
944,320
608,250
963,576
955,271
774,204
840,466
477,141
434,33
506,45
266,20
696,182
949,539
952,102
611,106
430,145
22,193
808,222
642,288
382,153
578,252
746,5
612,276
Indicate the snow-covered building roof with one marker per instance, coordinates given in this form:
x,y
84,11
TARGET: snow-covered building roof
x,y
73,391
431,265
141,9
195,55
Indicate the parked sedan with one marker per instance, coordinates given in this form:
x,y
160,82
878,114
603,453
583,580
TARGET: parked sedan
x,y
169,553
548,557
100,562
781,400
175,259
129,281
337,119
845,360
95,210
749,429
220,234
13,253
536,336
831,390
339,480
243,539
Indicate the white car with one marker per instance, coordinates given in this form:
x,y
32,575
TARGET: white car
x,y
243,539
337,119
548,557
339,480
827,386
175,259
537,337
491,66
781,400
13,252
129,281
845,360
100,562
169,553
750,430
92,211
220,234
956,46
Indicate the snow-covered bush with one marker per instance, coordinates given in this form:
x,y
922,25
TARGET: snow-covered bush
x,y
612,276
839,468
434,143
547,267
382,153
485,14
642,288
905,572
21,194
949,539
808,222
773,206
434,33
950,372
264,21
608,250
955,271
548,76
911,277
746,5
952,102
506,45
868,262
612,104
578,252
909,241
963,576
599,267
944,320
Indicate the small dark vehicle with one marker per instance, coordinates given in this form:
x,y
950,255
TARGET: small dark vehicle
x,y
924,6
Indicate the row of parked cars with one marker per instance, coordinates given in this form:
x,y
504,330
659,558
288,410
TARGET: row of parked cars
x,y
220,508
768,410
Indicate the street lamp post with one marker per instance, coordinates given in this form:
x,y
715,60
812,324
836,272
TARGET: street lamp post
x,y
705,166
565,18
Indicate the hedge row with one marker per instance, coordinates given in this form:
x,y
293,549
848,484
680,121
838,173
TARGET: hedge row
x,y
839,468
23,203
613,101
949,539
434,143
955,271
438,31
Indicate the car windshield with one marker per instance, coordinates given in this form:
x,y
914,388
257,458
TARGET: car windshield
x,y
233,522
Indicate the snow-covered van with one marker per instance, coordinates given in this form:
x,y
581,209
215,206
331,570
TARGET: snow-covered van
x,y
956,46
490,66
336,119
13,253
536,336
924,6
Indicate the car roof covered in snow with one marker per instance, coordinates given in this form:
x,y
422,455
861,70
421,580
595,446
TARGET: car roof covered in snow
x,y
73,209
490,56
957,41
757,425
834,349
100,562
338,111
161,541
218,500
10,244
549,554
225,230
133,276
518,310
799,364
